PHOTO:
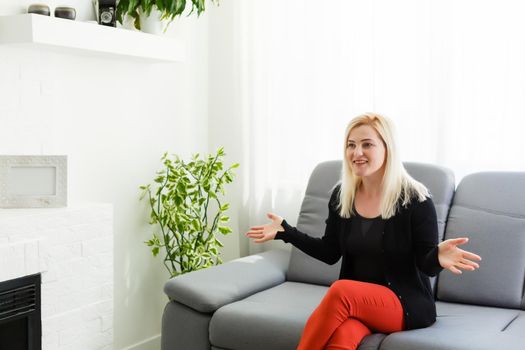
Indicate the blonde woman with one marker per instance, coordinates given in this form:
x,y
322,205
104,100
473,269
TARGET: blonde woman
x,y
389,250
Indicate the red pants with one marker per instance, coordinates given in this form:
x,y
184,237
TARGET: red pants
x,y
349,311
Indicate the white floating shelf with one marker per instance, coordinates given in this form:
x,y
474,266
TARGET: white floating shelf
x,y
64,35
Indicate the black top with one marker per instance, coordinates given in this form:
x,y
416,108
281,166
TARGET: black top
x,y
364,245
409,254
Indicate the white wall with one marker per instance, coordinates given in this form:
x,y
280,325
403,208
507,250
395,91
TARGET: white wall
x,y
226,126
113,119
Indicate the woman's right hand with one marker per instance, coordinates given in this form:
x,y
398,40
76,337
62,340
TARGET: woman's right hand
x,y
266,232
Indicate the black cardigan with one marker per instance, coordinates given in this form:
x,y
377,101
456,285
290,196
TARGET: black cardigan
x,y
410,254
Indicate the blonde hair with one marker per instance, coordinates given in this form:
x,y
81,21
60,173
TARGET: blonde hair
x,y
397,185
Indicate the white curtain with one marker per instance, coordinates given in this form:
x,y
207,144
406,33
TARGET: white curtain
x,y
451,74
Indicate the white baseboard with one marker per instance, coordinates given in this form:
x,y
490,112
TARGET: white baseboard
x,y
152,343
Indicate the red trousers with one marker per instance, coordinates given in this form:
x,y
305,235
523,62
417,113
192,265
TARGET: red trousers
x,y
349,311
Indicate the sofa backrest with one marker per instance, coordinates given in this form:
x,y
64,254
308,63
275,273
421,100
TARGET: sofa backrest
x,y
440,182
489,208
314,211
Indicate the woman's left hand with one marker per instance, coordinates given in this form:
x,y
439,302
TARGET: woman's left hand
x,y
455,259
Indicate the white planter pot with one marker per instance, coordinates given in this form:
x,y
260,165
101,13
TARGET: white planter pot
x,y
128,23
152,24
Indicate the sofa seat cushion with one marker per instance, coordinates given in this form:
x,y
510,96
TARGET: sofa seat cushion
x,y
271,319
517,327
464,327
474,317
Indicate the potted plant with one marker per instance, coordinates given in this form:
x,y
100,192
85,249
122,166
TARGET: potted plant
x,y
179,203
157,10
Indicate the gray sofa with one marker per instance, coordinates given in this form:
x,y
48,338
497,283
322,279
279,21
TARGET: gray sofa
x,y
263,301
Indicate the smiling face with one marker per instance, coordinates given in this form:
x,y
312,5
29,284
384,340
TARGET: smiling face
x,y
365,151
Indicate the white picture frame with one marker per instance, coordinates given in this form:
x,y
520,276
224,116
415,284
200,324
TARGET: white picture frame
x,y
33,181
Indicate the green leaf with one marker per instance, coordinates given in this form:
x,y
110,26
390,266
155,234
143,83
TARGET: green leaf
x,y
132,5
155,251
219,243
179,9
195,224
224,230
225,207
181,187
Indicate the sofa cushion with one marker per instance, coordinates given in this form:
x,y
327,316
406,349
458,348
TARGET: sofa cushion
x,y
473,317
459,327
495,191
312,220
451,339
488,209
441,184
280,311
499,280
517,326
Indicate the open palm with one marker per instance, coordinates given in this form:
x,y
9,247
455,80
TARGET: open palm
x,y
266,232
455,259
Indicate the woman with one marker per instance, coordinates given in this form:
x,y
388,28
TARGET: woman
x,y
383,223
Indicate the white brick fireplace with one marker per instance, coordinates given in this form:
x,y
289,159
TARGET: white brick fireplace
x,y
73,249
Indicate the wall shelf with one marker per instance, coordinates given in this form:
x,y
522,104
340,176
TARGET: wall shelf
x,y
62,35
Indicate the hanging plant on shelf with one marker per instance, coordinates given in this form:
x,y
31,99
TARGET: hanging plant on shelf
x,y
179,203
166,10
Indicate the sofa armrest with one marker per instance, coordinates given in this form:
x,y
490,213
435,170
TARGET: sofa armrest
x,y
209,289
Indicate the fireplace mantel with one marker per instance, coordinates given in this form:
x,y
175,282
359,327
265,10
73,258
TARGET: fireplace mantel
x,y
62,35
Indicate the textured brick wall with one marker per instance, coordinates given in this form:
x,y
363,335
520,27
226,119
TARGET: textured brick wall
x,y
73,249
